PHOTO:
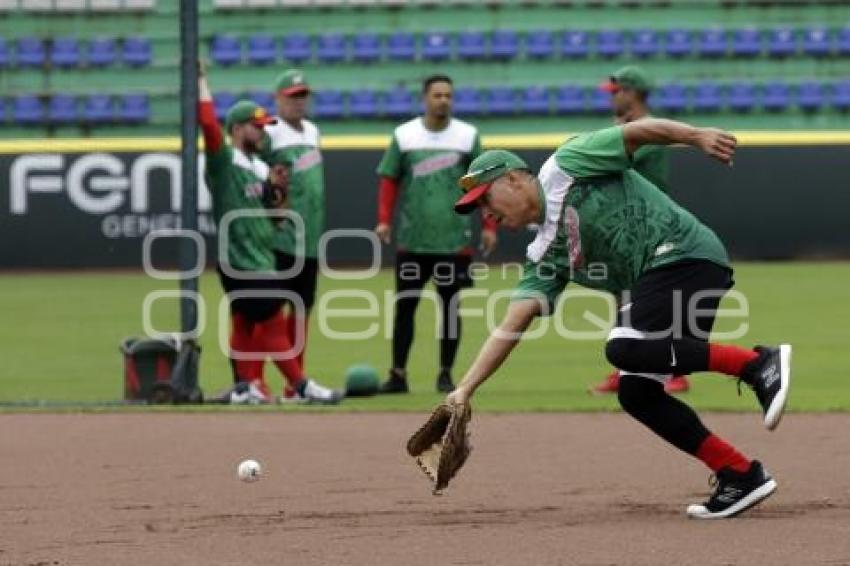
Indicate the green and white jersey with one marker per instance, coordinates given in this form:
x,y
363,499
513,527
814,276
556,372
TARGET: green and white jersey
x,y
651,161
427,165
300,149
235,181
605,225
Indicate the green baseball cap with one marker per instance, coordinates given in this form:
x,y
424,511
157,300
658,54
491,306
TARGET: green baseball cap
x,y
291,82
248,111
630,77
483,170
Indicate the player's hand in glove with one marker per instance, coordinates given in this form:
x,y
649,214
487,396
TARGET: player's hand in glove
x,y
441,446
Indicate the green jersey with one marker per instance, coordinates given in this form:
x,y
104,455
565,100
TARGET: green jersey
x,y
300,149
605,225
651,162
235,182
427,165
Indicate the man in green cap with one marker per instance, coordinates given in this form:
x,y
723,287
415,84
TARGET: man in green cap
x,y
630,88
295,140
607,227
243,187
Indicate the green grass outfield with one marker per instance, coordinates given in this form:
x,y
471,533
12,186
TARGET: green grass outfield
x,y
60,334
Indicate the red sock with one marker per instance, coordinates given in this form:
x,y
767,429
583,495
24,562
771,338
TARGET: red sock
x,y
729,359
241,340
297,326
716,453
274,337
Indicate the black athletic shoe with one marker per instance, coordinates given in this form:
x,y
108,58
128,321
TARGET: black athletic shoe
x,y
735,492
395,383
769,375
444,382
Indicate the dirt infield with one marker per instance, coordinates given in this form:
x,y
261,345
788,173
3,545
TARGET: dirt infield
x,y
338,489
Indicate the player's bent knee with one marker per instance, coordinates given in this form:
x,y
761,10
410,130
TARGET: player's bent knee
x,y
624,353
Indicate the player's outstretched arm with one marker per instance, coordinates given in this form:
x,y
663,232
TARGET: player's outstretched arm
x,y
213,137
657,131
496,349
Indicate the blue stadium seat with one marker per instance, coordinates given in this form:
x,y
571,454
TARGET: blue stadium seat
x,y
265,99
5,58
363,104
534,100
30,52
262,49
840,98
711,43
366,47
678,43
782,42
436,46
65,52
502,101
222,101
62,109
746,42
102,52
137,51
645,43
575,44
843,41
468,102
741,97
401,46
27,109
296,47
471,45
399,103
600,101
671,98
332,48
99,109
226,50
504,45
539,44
134,108
811,96
707,98
775,97
609,43
328,104
816,42
569,100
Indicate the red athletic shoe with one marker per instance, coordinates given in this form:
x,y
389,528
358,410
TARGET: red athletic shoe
x,y
609,385
677,384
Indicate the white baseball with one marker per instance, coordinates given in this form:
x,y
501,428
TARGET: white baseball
x,y
249,470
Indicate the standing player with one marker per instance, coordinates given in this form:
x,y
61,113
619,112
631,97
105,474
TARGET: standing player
x,y
235,177
607,227
425,158
630,88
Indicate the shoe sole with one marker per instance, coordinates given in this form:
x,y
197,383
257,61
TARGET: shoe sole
x,y
777,406
754,498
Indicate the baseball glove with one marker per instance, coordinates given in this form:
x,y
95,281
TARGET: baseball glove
x,y
441,445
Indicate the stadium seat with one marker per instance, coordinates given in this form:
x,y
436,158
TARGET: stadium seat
x,y
468,102
226,50
746,42
296,47
134,108
137,51
741,97
62,109
436,46
399,103
471,45
102,52
569,100
600,101
504,45
707,98
5,58
401,46
332,48
575,44
609,43
363,104
671,98
678,43
539,44
840,98
816,42
261,49
30,52
534,100
65,52
501,101
711,43
781,42
366,47
265,99
810,96
775,97
99,109
27,109
222,101
843,41
328,104
645,43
